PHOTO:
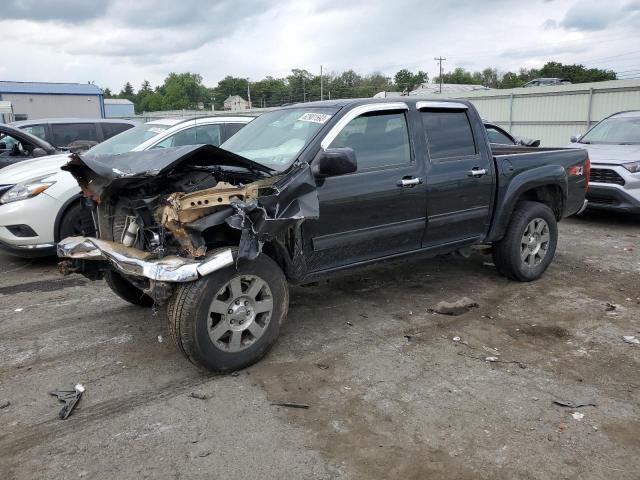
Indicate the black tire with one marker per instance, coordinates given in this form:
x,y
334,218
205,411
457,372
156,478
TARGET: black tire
x,y
126,290
76,221
508,252
190,320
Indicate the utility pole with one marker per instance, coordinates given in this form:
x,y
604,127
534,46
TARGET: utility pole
x,y
248,93
304,92
440,60
321,96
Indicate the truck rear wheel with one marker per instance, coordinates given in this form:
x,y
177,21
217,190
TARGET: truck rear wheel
x,y
529,244
230,319
126,290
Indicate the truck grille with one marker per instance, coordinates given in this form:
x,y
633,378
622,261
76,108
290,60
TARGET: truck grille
x,y
605,175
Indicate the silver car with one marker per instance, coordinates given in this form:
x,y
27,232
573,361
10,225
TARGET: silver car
x,y
614,149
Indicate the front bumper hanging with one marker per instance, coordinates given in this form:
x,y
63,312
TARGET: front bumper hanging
x,y
133,262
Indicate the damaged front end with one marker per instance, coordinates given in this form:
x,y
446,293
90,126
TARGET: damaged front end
x,y
173,215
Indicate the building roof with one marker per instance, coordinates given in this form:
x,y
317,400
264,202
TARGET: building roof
x,y
234,98
117,101
49,88
427,88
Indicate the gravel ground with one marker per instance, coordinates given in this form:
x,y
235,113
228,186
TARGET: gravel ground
x,y
391,394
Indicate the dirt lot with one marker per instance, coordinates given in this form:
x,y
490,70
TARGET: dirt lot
x,y
391,394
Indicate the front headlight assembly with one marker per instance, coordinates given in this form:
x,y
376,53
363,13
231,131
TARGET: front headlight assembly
x,y
633,167
27,189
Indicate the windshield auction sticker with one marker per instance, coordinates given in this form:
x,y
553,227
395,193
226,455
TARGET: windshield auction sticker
x,y
314,117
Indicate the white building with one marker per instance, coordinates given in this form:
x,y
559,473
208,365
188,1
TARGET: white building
x,y
118,108
235,103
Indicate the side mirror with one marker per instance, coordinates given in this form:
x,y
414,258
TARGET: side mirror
x,y
334,161
38,152
575,138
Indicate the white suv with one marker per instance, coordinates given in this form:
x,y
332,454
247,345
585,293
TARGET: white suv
x,y
40,204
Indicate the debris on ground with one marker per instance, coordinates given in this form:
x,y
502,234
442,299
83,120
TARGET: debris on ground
x,y
4,404
577,416
70,399
409,338
572,404
456,339
322,366
631,339
199,395
455,308
350,324
492,351
18,309
160,339
611,307
493,359
235,374
204,454
290,405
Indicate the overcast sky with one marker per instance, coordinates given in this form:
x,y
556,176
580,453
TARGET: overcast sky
x,y
114,41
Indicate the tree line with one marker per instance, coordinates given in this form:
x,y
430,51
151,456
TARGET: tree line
x,y
186,90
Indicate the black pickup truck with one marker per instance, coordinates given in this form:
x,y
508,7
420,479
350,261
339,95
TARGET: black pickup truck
x,y
216,234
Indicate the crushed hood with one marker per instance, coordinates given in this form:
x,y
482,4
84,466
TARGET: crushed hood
x,y
97,173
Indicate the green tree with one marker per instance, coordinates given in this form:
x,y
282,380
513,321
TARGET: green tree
x,y
406,81
127,92
107,93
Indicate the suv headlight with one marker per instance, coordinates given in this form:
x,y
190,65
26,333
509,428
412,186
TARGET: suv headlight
x,y
633,167
27,189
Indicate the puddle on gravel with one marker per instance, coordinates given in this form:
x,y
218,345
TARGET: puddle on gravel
x,y
43,286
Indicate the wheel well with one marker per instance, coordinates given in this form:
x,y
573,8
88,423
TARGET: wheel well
x,y
550,195
61,213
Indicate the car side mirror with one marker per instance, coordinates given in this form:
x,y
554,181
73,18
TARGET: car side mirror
x,y
38,152
335,161
575,138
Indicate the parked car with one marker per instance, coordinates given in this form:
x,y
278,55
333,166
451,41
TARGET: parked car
x,y
17,145
74,133
40,204
614,149
499,136
546,82
302,193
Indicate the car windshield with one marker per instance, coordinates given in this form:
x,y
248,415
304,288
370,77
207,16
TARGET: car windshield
x,y
275,139
127,140
615,130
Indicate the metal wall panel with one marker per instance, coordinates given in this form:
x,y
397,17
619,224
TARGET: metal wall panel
x,y
54,106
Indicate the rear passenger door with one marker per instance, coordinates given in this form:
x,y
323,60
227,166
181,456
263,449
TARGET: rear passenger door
x,y
379,210
459,177
112,129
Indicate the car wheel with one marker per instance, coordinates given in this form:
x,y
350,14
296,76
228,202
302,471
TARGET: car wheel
x,y
76,220
529,244
126,290
229,319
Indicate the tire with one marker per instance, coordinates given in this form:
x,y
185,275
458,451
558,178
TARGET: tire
x,y
239,337
126,290
75,221
526,257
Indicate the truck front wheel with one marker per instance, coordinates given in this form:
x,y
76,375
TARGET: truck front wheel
x,y
529,244
229,319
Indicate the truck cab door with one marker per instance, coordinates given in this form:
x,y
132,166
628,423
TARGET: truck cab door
x,y
460,177
379,210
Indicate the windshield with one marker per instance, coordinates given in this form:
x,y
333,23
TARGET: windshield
x,y
616,130
276,138
128,140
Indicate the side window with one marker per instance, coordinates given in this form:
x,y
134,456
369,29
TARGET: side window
x,y
230,129
37,130
496,136
209,134
449,134
378,139
66,133
112,129
179,139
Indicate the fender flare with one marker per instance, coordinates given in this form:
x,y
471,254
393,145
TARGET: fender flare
x,y
544,176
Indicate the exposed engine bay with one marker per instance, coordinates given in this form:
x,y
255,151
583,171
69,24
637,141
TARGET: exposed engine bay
x,y
163,215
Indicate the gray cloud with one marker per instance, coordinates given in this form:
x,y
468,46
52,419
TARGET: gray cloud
x,y
594,15
61,10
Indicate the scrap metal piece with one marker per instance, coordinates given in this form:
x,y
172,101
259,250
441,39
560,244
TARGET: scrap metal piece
x,y
70,399
138,263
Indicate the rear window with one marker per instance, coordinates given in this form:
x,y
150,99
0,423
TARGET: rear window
x,y
37,130
66,133
112,129
448,133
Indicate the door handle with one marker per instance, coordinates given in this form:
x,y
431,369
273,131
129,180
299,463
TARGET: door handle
x,y
409,181
477,172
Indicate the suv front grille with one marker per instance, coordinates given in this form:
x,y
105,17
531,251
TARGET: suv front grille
x,y
605,175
